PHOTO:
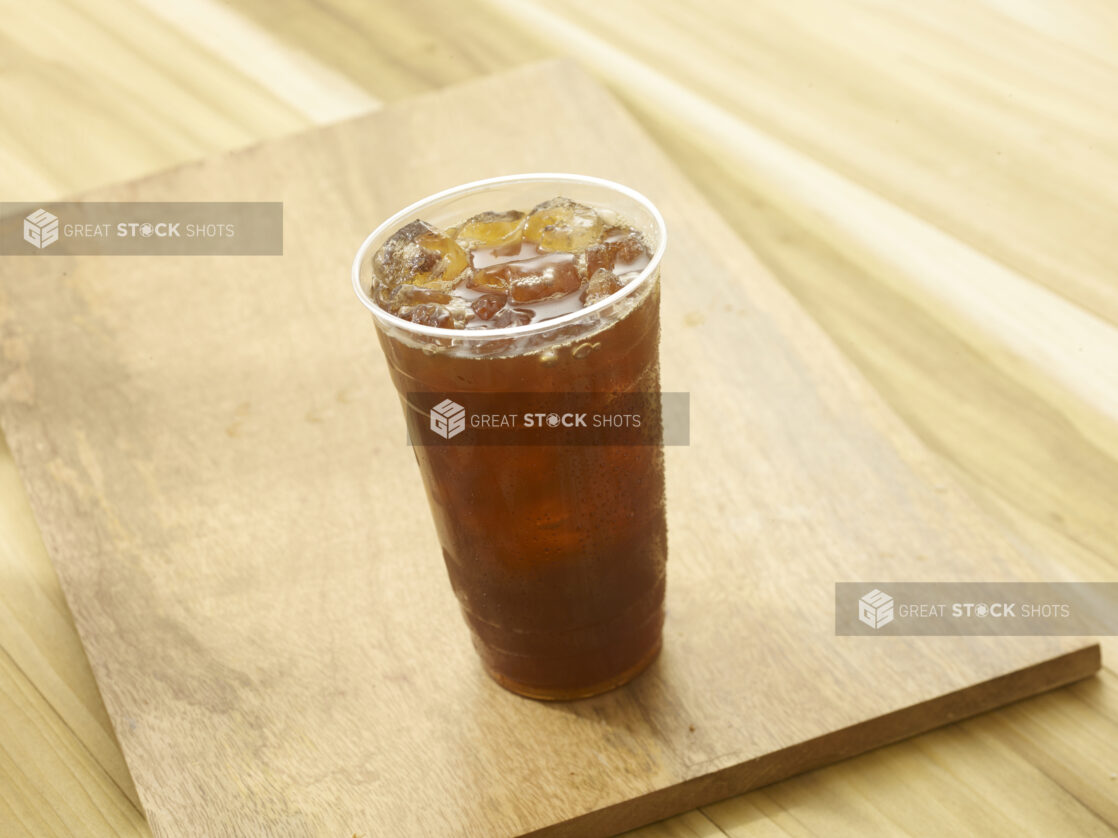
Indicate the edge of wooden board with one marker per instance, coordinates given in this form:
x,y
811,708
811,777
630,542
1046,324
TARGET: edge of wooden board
x,y
832,747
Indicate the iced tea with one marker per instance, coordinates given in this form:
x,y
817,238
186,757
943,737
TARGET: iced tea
x,y
555,552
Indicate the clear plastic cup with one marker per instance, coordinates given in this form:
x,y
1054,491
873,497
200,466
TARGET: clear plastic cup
x,y
556,552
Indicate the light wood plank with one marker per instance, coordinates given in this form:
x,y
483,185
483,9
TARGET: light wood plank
x,y
965,779
312,89
96,92
49,783
395,50
694,824
1090,26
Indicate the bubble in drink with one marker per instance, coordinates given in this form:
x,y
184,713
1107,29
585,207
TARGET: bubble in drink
x,y
562,225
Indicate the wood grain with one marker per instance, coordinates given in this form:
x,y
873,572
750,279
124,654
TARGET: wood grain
x,y
59,782
252,567
114,92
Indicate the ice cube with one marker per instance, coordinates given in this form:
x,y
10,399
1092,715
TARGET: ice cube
x,y
487,305
530,280
603,283
631,252
491,229
563,225
494,279
428,314
460,312
421,255
511,317
620,251
548,283
409,295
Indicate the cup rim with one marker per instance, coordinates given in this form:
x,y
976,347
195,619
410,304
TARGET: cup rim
x,y
388,319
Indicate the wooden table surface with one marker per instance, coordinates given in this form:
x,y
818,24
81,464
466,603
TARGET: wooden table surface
x,y
936,183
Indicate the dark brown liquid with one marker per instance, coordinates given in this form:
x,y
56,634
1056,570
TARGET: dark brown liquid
x,y
557,553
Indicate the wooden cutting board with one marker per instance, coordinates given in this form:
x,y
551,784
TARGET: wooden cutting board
x,y
217,461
